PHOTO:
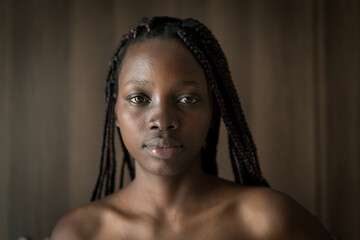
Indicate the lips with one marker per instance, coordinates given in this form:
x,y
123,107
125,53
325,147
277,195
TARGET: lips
x,y
164,148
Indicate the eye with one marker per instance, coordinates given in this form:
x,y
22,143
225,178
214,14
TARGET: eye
x,y
138,99
187,100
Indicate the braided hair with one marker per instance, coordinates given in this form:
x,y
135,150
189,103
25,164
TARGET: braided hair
x,y
204,46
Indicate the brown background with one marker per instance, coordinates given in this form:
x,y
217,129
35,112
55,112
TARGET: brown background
x,y
295,64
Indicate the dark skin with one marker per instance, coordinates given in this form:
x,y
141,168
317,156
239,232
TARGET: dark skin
x,y
164,112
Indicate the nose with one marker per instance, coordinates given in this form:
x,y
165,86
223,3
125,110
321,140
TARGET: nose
x,y
164,118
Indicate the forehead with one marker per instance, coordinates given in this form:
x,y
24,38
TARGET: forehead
x,y
158,57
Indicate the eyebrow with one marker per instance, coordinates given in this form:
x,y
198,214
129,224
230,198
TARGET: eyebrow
x,y
139,82
188,83
144,82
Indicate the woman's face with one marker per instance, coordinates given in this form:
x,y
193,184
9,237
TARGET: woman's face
x,y
163,108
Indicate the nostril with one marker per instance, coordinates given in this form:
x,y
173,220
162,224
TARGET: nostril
x,y
163,122
171,127
163,127
154,127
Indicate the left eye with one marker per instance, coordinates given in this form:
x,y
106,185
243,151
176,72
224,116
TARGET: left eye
x,y
188,100
139,100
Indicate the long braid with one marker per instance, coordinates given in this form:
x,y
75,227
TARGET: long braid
x,y
244,147
208,71
104,157
107,168
234,165
110,161
234,100
101,167
209,154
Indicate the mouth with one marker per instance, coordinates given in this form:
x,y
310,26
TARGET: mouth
x,y
164,148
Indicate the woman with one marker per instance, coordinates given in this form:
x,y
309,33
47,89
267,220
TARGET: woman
x,y
167,87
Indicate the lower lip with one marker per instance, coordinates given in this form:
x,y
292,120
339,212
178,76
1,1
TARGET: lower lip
x,y
164,153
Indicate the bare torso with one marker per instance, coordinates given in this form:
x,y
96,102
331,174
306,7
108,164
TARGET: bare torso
x,y
228,211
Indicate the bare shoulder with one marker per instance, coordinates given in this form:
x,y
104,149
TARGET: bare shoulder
x,y
80,223
273,215
90,221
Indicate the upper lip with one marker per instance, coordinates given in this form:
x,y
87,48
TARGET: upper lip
x,y
163,143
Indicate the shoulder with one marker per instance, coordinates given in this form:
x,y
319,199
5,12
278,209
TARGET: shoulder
x,y
80,223
89,221
269,214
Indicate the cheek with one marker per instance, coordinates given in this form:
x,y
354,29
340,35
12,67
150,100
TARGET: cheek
x,y
130,125
200,125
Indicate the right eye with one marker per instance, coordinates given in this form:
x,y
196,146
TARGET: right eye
x,y
139,99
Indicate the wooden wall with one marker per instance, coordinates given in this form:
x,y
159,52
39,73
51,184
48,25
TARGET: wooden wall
x,y
295,65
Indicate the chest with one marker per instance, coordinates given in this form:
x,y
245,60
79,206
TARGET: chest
x,y
215,226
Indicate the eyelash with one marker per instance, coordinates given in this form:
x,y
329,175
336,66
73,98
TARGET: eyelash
x,y
144,99
193,100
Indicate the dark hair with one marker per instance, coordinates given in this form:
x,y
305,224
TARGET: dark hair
x,y
202,43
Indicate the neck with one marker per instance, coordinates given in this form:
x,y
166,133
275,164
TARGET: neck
x,y
180,192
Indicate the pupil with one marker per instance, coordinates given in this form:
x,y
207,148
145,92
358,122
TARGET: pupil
x,y
188,100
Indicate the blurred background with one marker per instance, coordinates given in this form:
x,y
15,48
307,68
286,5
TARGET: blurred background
x,y
296,68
